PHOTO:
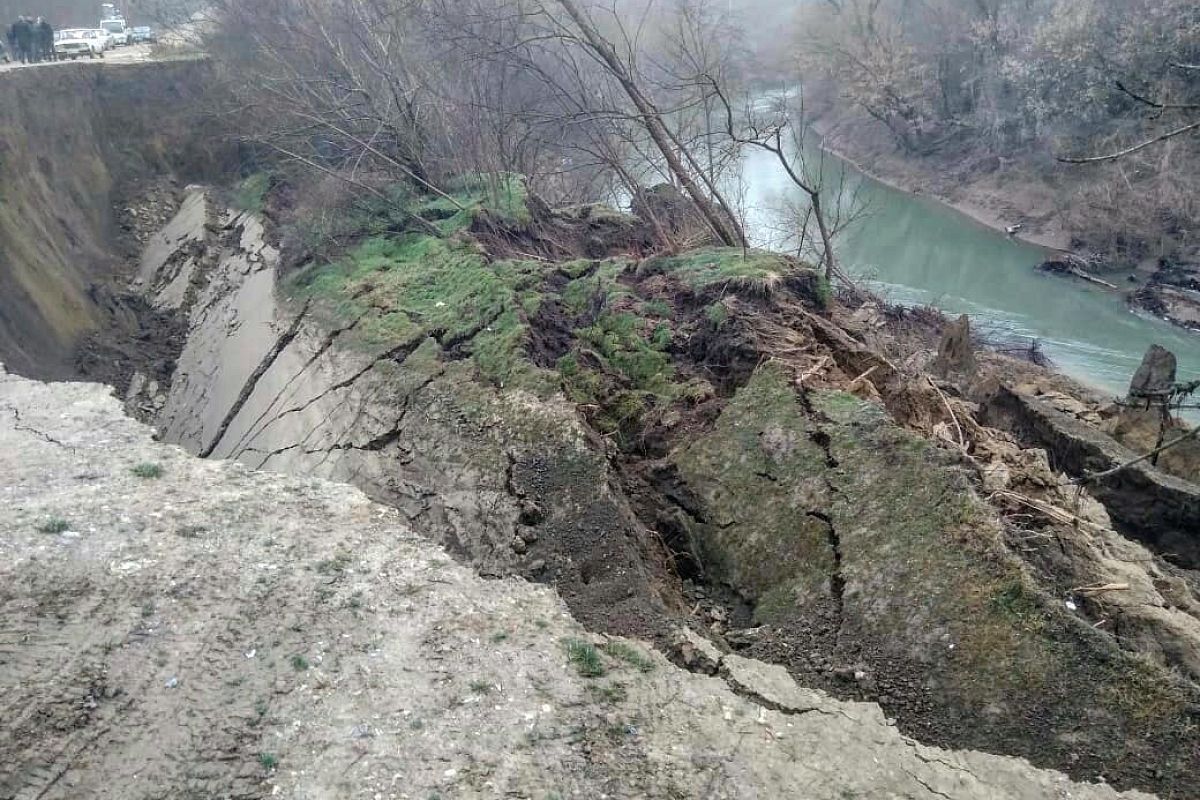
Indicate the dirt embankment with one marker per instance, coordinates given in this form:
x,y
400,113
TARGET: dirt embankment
x,y
705,441
73,140
184,628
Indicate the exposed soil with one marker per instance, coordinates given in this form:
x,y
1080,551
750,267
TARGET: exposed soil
x,y
134,338
769,413
215,632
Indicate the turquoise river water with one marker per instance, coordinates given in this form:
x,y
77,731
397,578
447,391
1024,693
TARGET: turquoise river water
x,y
915,251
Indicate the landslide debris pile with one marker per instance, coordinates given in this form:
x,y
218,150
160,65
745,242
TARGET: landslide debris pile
x,y
175,627
700,444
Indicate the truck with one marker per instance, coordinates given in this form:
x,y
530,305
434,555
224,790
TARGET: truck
x,y
116,30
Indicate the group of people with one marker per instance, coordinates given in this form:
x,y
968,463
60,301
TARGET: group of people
x,y
31,40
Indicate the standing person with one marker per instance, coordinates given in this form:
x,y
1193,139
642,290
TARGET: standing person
x,y
11,35
23,33
45,39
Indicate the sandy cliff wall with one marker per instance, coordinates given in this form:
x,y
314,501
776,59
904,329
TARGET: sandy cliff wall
x,y
71,137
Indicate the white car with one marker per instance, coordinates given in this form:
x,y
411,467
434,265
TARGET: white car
x,y
73,43
116,31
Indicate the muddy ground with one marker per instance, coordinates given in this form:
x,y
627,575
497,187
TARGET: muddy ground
x,y
192,629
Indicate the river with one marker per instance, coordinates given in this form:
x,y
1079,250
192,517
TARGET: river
x,y
914,251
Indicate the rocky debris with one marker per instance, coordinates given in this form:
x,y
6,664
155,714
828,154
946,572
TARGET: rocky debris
x,y
697,653
1158,509
143,216
1075,266
1156,374
1177,304
130,641
771,686
1142,430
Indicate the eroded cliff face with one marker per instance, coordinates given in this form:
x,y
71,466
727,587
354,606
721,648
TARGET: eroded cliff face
x,y
73,139
698,442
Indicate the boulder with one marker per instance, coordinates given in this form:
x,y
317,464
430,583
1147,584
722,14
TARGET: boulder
x,y
1155,375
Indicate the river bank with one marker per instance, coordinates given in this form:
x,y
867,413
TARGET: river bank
x,y
1001,194
995,198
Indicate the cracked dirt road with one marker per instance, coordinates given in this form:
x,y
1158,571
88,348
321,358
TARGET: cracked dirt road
x,y
217,632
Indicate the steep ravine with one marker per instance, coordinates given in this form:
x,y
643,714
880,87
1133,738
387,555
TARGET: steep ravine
x,y
688,482
73,143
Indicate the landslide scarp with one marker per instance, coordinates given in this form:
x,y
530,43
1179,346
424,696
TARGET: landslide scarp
x,y
705,439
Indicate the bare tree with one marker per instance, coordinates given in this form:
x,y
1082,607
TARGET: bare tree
x,y
770,136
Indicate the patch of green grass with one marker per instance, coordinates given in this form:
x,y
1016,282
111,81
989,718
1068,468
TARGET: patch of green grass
x,y
1015,601
481,687
630,655
717,314
635,348
53,525
756,271
404,289
503,195
251,193
268,761
148,471
260,709
657,308
499,637
582,292
299,663
585,658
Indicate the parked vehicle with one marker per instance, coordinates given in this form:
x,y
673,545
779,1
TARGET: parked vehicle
x,y
116,31
74,43
143,34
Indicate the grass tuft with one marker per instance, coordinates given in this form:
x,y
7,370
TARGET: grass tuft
x,y
585,658
148,471
630,655
54,525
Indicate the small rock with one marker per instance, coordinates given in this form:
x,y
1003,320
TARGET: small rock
x,y
531,513
698,653
537,566
518,545
528,534
172,683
